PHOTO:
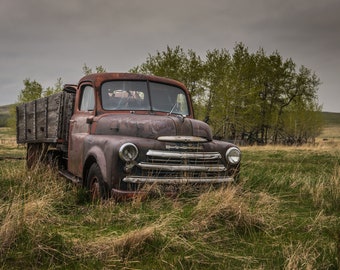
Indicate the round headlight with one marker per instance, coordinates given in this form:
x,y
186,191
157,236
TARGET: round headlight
x,y
128,152
233,155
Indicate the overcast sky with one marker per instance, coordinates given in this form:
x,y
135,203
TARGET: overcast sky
x,y
45,40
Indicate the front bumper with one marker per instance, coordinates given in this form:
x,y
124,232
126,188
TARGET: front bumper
x,y
166,186
171,181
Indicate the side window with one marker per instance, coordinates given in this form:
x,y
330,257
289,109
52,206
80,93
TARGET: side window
x,y
87,99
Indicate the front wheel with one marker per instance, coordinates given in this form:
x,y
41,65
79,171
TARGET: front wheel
x,y
95,184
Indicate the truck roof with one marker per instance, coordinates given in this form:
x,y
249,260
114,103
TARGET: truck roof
x,y
98,78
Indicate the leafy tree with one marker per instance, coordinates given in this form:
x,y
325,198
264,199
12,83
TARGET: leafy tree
x,y
243,91
176,64
87,70
169,63
302,123
242,94
58,87
216,70
33,90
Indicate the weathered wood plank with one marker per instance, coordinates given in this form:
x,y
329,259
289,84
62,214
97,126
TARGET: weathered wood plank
x,y
45,119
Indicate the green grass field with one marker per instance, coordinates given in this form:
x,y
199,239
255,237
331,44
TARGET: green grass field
x,y
284,214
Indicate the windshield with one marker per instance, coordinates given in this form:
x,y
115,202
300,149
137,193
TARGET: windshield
x,y
135,95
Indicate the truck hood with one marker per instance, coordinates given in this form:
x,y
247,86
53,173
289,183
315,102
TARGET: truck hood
x,y
151,126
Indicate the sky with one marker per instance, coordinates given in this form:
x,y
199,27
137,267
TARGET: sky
x,y
44,40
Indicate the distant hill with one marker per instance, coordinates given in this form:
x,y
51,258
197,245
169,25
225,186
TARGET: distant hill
x,y
4,109
4,115
331,119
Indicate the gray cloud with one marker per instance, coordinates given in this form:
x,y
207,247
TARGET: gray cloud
x,y
45,40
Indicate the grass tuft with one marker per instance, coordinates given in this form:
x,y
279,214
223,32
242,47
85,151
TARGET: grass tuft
x,y
325,190
233,209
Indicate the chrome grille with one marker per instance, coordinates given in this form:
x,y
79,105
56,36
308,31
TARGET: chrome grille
x,y
183,161
181,167
168,158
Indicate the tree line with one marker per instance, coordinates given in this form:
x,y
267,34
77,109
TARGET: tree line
x,y
245,97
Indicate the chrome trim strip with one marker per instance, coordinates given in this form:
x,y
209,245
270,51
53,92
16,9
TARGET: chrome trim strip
x,y
181,139
182,168
163,180
184,155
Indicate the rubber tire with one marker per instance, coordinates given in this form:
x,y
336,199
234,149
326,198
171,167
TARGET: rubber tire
x,y
95,184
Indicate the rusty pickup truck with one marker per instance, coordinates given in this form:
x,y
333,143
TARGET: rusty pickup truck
x,y
118,133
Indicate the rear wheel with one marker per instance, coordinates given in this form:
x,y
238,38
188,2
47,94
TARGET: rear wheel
x,y
95,184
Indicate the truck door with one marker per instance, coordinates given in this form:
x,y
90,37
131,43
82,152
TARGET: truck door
x,y
79,129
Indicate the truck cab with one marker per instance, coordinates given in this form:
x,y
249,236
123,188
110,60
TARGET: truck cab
x,y
130,133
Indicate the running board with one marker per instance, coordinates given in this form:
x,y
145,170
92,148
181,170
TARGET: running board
x,y
76,180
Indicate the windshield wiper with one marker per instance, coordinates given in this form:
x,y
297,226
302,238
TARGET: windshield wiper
x,y
177,114
172,108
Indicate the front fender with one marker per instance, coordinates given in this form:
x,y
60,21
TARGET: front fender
x,y
95,154
103,149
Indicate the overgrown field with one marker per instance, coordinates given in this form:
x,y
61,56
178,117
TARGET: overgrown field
x,y
284,214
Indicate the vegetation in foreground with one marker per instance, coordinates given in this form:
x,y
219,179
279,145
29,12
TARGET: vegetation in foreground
x,y
284,214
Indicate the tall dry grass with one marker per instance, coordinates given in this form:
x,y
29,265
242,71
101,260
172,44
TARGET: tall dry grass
x,y
30,206
229,209
313,252
301,255
325,191
20,215
112,247
235,209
